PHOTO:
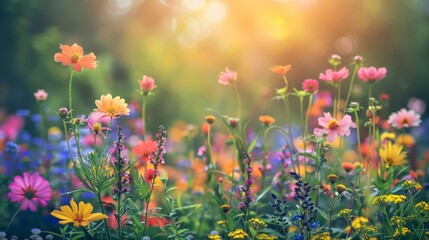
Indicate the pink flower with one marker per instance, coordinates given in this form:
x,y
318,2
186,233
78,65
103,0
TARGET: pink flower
x,y
371,74
29,191
227,77
331,76
147,84
41,95
334,128
310,85
404,119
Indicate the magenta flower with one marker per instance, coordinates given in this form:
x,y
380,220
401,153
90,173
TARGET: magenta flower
x,y
147,84
335,77
334,128
404,119
227,77
310,85
41,95
371,74
29,191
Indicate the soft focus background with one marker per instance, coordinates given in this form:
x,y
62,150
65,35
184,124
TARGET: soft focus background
x,y
184,44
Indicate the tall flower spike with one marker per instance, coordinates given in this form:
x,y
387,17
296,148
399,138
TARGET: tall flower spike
x,y
73,55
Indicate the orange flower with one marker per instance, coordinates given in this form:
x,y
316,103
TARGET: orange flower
x,y
112,107
267,120
145,149
348,166
73,55
282,70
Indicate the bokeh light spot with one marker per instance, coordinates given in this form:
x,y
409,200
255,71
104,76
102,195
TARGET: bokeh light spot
x,y
215,12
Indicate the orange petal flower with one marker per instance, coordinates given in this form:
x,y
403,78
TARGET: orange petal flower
x,y
281,70
145,149
73,55
112,107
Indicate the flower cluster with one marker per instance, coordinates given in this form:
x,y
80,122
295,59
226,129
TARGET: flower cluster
x,y
247,196
389,199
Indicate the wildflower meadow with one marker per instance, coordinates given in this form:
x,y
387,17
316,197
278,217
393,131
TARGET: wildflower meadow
x,y
335,160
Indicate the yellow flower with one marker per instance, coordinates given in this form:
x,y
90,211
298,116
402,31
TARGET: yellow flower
x,y
359,222
238,234
422,207
391,198
78,215
392,154
412,185
344,212
264,236
322,236
401,231
112,107
387,136
257,223
406,140
397,221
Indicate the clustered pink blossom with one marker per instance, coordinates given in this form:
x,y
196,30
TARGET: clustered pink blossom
x,y
30,190
334,128
147,84
404,119
371,74
335,77
227,77
310,85
247,192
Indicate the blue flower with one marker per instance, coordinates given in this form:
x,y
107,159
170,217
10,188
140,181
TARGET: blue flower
x,y
11,148
298,236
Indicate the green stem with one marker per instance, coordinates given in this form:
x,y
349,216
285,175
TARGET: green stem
x,y
349,92
292,144
13,218
67,140
147,200
144,115
103,212
330,212
238,99
70,93
209,157
338,100
310,102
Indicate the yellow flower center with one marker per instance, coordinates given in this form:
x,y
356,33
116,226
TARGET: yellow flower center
x,y
96,128
332,124
75,58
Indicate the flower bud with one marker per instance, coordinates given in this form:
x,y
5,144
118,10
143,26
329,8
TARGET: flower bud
x,y
358,59
63,112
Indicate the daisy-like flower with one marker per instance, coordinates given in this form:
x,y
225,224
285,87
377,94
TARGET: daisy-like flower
x,y
41,95
371,74
30,190
227,77
145,149
281,70
310,85
392,154
112,107
404,119
334,128
147,84
334,77
266,120
96,127
78,215
73,55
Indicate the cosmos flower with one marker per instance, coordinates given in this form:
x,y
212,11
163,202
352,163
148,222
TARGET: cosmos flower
x,y
335,77
79,215
404,119
266,120
334,128
281,70
30,190
112,107
227,77
73,55
371,74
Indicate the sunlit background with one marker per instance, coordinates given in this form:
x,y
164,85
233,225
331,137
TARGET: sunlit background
x,y
184,44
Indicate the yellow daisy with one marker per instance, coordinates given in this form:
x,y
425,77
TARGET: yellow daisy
x,y
392,154
78,215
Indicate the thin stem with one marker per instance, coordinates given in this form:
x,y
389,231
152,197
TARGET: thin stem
x,y
103,212
70,93
335,102
307,116
209,157
330,212
349,92
147,200
144,115
13,218
338,100
238,99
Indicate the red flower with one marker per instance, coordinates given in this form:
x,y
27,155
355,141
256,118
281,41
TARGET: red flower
x,y
145,149
310,85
